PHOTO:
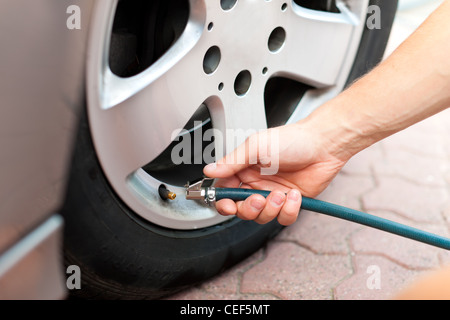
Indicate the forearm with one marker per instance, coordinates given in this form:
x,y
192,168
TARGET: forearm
x,y
409,86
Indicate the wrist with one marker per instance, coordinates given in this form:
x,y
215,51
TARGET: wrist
x,y
342,128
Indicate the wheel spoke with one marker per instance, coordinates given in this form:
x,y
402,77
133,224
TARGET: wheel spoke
x,y
234,119
139,116
316,45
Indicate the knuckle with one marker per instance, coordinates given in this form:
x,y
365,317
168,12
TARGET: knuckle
x,y
290,211
245,212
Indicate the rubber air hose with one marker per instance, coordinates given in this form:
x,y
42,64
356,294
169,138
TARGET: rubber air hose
x,y
346,214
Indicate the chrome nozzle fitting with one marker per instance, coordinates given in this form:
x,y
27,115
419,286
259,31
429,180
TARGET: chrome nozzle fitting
x,y
201,190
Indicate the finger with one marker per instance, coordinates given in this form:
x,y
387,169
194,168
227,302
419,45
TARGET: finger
x,y
231,182
226,207
275,201
290,210
236,161
250,208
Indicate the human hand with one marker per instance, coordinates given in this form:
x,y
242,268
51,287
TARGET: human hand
x,y
390,98
306,166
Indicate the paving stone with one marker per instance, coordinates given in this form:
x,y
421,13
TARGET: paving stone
x,y
413,166
320,233
346,190
425,138
292,272
446,214
406,252
228,282
324,234
199,294
411,200
362,162
374,278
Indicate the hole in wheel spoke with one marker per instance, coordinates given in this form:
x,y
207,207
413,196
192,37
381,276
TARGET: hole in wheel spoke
x,y
276,39
320,5
242,83
143,31
227,4
183,160
211,60
281,97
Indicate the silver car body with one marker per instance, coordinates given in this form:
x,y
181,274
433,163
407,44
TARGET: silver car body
x,y
42,67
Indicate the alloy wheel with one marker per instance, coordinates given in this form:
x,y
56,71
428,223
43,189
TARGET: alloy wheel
x,y
156,69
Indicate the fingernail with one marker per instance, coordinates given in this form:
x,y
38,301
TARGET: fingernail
x,y
294,195
257,205
277,199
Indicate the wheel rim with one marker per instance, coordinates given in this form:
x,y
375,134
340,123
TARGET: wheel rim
x,y
224,58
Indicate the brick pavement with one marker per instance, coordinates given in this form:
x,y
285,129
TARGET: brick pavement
x,y
405,178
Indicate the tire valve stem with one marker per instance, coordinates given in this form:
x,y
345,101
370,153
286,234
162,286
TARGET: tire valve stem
x,y
165,193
